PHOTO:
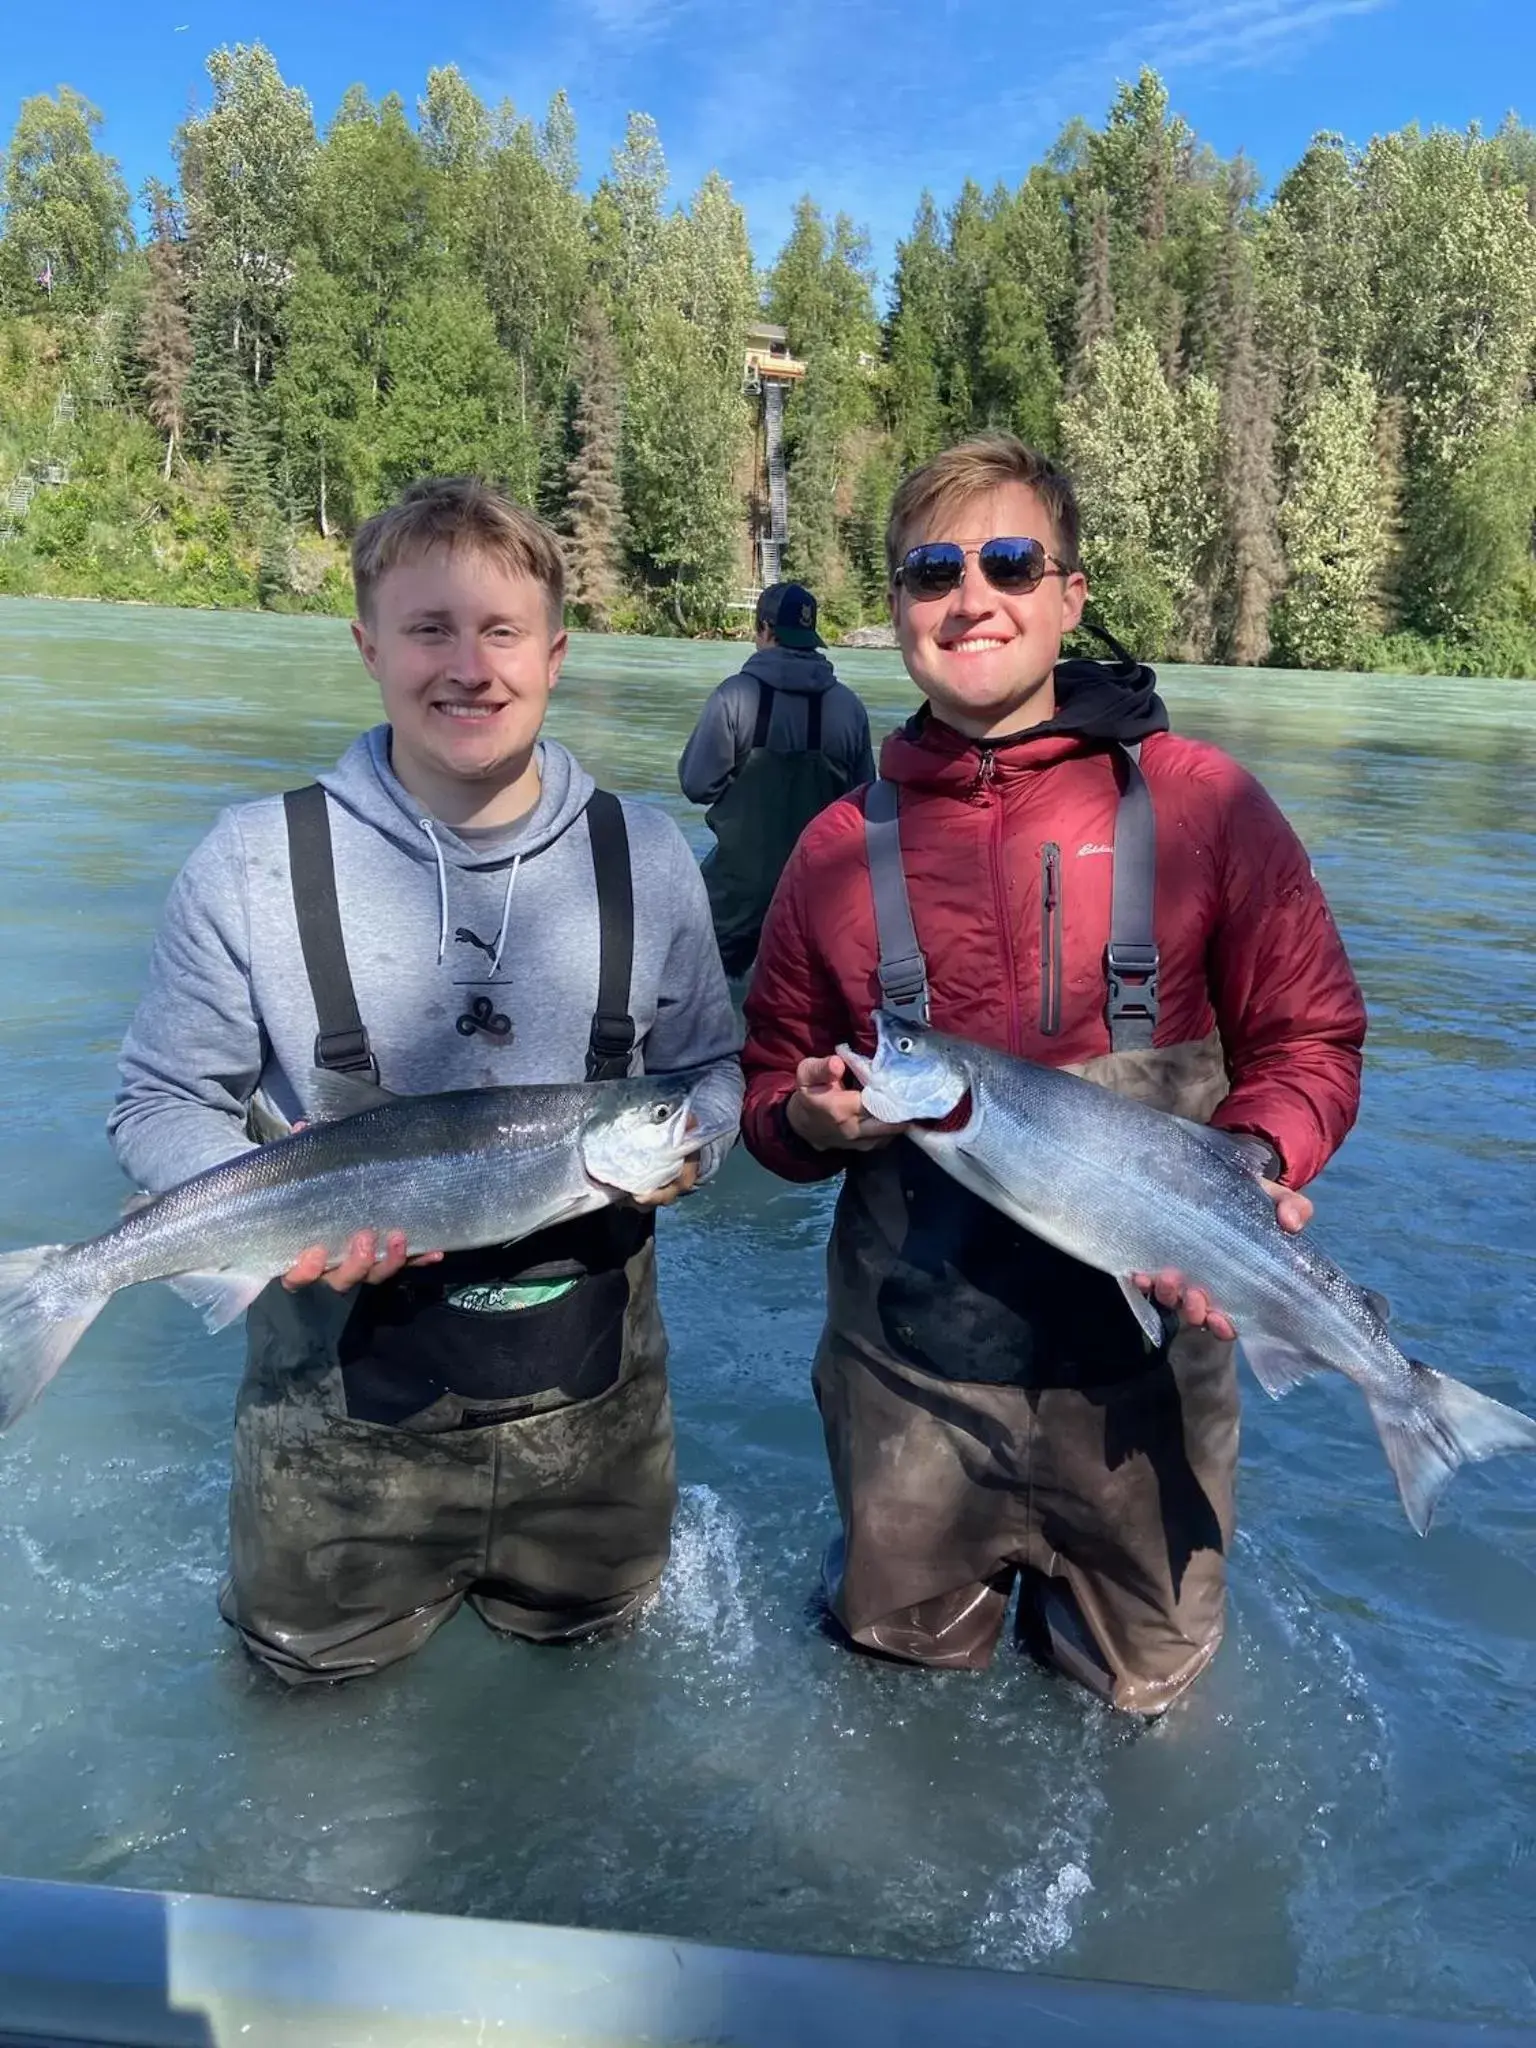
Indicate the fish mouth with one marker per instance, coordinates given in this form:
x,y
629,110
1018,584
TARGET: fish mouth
x,y
688,1129
866,1072
859,1064
689,1132
945,1106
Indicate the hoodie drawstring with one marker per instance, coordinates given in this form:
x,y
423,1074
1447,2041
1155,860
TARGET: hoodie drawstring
x,y
442,900
442,890
506,913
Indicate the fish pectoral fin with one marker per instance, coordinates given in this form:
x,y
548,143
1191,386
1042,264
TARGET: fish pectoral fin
x,y
1249,1152
1277,1365
1144,1309
333,1096
221,1296
264,1123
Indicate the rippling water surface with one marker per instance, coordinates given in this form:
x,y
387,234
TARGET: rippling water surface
x,y
1345,1810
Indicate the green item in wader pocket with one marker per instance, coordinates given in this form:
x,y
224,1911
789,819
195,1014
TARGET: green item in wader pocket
x,y
756,824
499,1298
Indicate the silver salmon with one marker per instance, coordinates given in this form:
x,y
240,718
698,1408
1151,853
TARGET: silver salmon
x,y
479,1167
1129,1189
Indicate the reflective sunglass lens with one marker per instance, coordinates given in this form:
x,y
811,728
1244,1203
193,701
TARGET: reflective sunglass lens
x,y
1012,563
933,568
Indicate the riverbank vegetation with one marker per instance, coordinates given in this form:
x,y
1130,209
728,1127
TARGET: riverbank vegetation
x,y
1302,421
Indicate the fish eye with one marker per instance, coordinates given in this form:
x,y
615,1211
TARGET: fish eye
x,y
906,1045
660,1113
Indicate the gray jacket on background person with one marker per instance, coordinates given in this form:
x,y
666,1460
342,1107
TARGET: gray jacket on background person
x,y
718,747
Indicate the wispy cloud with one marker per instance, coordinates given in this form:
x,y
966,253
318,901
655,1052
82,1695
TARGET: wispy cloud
x,y
630,20
864,104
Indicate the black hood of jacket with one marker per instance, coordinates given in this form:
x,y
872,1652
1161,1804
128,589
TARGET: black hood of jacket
x,y
1104,700
1095,700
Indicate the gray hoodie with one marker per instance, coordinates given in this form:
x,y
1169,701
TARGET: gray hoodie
x,y
721,741
432,924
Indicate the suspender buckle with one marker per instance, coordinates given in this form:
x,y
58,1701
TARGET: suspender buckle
x,y
904,987
1132,972
346,1052
609,1047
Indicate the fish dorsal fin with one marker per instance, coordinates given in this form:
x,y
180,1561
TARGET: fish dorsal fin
x,y
1381,1308
333,1096
137,1201
1249,1152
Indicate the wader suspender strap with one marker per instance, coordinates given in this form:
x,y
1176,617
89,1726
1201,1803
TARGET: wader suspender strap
x,y
766,693
1131,959
341,1043
903,970
613,1028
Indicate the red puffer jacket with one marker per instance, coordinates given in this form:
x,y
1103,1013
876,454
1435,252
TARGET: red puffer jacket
x,y
1246,940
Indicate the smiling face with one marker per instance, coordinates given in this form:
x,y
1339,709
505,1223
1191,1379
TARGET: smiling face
x,y
465,652
982,658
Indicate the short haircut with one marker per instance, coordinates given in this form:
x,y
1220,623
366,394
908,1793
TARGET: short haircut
x,y
453,512
987,462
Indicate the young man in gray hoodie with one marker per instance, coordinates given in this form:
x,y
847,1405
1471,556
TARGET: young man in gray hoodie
x,y
773,746
453,906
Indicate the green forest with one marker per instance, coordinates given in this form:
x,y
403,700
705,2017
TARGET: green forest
x,y
1302,418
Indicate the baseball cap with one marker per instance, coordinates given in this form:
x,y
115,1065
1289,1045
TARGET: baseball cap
x,y
790,610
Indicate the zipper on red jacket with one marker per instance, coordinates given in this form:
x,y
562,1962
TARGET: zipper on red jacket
x,y
985,774
984,790
1050,939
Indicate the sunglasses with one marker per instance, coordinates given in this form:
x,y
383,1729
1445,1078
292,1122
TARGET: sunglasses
x,y
1010,563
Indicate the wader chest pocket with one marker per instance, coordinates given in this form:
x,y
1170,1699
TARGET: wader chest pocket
x,y
399,1356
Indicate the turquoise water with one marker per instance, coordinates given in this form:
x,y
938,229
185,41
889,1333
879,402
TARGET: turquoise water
x,y
1345,1810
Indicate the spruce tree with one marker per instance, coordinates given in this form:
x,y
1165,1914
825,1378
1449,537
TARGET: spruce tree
x,y
1095,294
165,328
595,499
1251,568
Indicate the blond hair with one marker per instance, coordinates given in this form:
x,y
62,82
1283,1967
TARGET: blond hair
x,y
971,469
453,512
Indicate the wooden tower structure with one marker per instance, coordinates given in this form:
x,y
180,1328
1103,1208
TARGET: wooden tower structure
x,y
769,371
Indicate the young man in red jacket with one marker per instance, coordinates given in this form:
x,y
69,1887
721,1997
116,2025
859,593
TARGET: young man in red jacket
x,y
1090,890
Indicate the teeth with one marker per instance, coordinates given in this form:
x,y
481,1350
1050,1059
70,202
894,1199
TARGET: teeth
x,y
468,710
978,646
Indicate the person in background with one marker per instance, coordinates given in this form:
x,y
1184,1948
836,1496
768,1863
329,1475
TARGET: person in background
x,y
453,905
774,745
1094,891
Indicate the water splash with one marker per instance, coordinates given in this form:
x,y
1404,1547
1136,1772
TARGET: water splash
x,y
1034,1911
701,1596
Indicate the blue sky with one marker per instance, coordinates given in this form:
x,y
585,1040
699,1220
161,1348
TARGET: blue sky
x,y
862,104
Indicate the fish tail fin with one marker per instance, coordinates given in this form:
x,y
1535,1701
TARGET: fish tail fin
x,y
36,1335
1441,1427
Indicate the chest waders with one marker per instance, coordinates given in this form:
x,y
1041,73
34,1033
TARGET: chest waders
x,y
756,823
493,1428
992,1411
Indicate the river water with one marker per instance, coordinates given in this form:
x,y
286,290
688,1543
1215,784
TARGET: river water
x,y
1344,1812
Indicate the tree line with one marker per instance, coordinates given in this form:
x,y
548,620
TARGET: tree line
x,y
1302,423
